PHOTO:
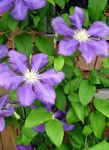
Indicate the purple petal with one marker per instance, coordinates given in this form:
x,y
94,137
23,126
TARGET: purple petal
x,y
9,79
100,47
3,101
40,128
21,147
2,124
8,112
20,10
5,5
67,127
67,47
3,51
39,61
60,27
52,77
87,51
77,19
35,4
59,114
45,93
18,61
26,95
98,29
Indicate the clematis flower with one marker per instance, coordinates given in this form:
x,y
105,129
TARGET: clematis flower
x,y
22,147
79,38
6,110
30,84
57,115
3,51
21,7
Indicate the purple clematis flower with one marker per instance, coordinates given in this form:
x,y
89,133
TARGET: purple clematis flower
x,y
29,83
3,51
79,38
6,110
57,115
22,147
21,7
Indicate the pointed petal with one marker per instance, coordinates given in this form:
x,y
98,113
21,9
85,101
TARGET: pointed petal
x,y
5,5
78,18
2,124
26,95
18,61
9,79
20,10
60,27
7,112
35,4
98,29
39,61
67,47
22,147
3,51
45,93
40,128
87,52
3,101
51,77
67,127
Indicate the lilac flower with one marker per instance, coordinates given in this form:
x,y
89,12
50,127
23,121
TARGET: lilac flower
x,y
29,83
5,110
3,51
57,115
21,7
22,147
81,39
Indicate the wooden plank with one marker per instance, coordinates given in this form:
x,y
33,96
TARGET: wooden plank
x,y
8,139
1,145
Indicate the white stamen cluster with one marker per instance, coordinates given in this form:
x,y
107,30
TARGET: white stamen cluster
x,y
81,36
31,77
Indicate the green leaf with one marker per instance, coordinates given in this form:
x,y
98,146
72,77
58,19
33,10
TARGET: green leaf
x,y
79,110
68,70
63,147
104,80
102,106
23,43
72,85
37,117
96,7
94,77
60,3
45,45
86,92
51,1
87,130
59,63
100,146
60,99
13,95
55,131
106,62
97,123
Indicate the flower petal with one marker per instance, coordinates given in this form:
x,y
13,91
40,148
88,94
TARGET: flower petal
x,y
100,47
2,124
20,10
35,4
45,93
22,147
3,101
3,51
67,127
77,19
98,29
67,47
18,61
39,61
51,77
40,128
7,112
60,27
5,5
87,52
26,95
9,79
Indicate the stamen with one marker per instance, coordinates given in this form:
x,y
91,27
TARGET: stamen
x,y
81,36
31,77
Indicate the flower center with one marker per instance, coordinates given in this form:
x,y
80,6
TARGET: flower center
x,y
81,36
31,77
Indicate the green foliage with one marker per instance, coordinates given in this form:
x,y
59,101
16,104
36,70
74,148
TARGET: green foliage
x,y
59,63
